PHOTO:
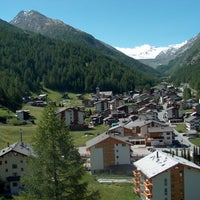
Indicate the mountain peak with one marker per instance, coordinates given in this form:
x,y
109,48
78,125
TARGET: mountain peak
x,y
34,21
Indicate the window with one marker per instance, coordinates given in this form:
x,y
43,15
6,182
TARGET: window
x,y
6,162
165,191
6,170
22,169
0,162
165,182
14,184
123,145
14,166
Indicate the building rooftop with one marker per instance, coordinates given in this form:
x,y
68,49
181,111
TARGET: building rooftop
x,y
158,162
18,147
160,129
103,137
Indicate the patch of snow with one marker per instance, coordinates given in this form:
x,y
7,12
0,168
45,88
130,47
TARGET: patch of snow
x,y
147,51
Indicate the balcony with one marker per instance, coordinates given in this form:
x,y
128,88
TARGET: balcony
x,y
136,182
147,193
147,183
136,173
136,190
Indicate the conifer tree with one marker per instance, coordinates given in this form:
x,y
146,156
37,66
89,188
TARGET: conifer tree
x,y
56,168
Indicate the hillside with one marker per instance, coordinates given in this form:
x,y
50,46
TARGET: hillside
x,y
186,67
30,61
38,23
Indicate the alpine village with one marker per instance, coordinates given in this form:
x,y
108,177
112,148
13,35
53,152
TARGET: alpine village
x,y
81,120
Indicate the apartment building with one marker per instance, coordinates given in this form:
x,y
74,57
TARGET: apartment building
x,y
108,150
162,176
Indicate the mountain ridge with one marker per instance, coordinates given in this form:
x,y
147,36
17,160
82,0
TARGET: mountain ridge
x,y
158,56
38,23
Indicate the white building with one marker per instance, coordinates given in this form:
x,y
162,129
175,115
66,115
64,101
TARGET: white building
x,y
73,117
107,151
162,176
13,165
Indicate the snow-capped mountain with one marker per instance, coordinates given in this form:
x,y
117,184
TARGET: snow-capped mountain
x,y
150,52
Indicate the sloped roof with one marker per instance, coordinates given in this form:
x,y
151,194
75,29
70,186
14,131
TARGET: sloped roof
x,y
18,147
103,137
160,129
158,162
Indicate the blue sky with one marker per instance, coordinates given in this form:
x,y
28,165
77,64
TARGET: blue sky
x,y
120,23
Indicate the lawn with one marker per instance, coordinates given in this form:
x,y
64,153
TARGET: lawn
x,y
11,134
181,128
112,191
195,141
81,137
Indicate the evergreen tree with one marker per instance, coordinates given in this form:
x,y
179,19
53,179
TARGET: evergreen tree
x,y
56,169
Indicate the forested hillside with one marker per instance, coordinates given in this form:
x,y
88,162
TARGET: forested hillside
x,y
30,61
185,68
56,29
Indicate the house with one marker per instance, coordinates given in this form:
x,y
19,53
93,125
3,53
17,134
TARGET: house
x,y
140,127
158,136
196,108
174,113
107,151
116,102
101,106
23,114
43,97
193,123
13,165
161,176
73,117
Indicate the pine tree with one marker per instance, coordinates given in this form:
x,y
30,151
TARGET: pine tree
x,y
56,169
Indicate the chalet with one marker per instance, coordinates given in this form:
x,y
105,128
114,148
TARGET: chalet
x,y
116,102
107,151
140,127
101,106
174,113
73,117
193,123
43,97
13,165
23,114
161,176
158,136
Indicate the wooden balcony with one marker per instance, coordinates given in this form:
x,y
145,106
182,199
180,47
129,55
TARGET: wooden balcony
x,y
136,173
136,190
147,193
136,182
147,183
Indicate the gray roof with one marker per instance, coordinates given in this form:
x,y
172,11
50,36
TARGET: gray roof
x,y
103,137
160,129
18,147
191,118
158,162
